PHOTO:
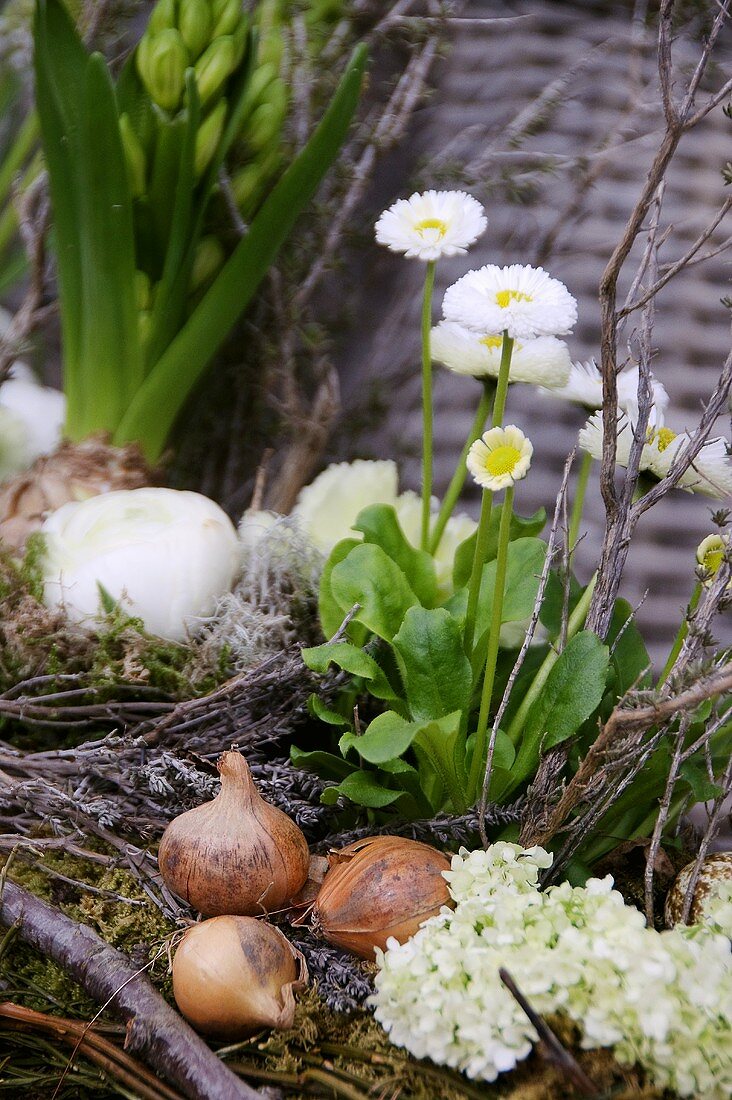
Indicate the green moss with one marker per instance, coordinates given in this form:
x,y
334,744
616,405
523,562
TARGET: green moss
x,y
140,930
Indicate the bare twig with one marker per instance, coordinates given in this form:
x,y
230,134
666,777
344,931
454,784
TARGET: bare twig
x,y
528,638
154,1029
623,721
552,1049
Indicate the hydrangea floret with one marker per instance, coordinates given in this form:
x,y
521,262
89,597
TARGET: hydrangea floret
x,y
663,1000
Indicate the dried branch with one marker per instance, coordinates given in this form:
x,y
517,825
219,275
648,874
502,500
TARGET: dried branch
x,y
34,223
154,1029
551,1048
86,1040
622,721
620,519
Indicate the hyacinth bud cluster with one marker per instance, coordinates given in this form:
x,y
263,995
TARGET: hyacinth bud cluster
x,y
205,35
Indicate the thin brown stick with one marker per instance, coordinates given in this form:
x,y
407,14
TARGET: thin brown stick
x,y
625,720
551,1048
102,1052
154,1029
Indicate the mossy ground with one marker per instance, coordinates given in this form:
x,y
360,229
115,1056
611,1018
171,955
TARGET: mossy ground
x,y
325,1054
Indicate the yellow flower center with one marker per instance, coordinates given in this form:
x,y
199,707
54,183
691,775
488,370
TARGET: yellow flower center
x,y
661,438
505,297
712,561
491,341
431,223
502,460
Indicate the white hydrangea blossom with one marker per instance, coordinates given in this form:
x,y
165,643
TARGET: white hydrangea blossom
x,y
661,999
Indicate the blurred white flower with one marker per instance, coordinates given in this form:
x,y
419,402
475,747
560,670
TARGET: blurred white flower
x,y
165,555
543,362
523,301
458,528
500,457
584,387
31,416
327,508
40,410
432,224
709,474
14,449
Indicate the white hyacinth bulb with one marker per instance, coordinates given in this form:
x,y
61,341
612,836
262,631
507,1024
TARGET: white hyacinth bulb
x,y
32,420
165,555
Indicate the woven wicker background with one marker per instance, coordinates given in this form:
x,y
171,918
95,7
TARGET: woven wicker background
x,y
488,76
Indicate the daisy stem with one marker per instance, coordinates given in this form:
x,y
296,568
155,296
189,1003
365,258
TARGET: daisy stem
x,y
504,534
427,415
681,636
499,405
579,499
576,622
461,471
476,574
481,541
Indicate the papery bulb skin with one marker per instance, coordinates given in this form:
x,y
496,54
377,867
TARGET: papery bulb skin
x,y
236,854
233,976
380,887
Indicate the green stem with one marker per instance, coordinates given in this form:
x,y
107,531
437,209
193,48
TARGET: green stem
x,y
681,636
461,472
575,624
504,533
481,542
476,573
579,499
499,405
427,414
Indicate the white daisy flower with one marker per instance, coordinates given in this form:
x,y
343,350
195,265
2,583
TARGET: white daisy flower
x,y
584,387
544,361
523,301
710,473
710,554
500,457
432,224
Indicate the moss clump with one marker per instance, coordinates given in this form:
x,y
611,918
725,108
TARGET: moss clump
x,y
355,1050
139,930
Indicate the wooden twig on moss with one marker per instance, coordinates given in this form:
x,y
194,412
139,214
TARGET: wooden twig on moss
x,y
155,1031
551,1048
87,1041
